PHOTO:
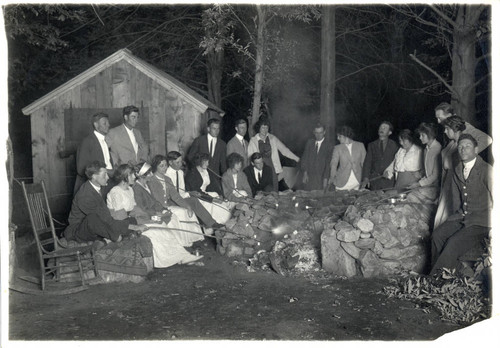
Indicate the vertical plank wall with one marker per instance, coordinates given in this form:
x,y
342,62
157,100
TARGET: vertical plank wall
x,y
173,122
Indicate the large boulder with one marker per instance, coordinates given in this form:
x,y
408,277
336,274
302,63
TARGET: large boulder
x,y
401,253
351,249
370,264
348,235
364,225
334,258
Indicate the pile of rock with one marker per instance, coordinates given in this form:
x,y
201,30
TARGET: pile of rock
x,y
281,231
378,239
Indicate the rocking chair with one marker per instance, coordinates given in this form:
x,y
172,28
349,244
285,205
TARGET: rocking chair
x,y
55,259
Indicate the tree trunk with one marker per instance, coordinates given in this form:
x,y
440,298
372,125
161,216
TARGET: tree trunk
x,y
259,68
215,64
327,106
464,62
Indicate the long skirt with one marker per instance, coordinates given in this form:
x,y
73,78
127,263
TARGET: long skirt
x,y
405,179
181,220
445,208
166,249
221,212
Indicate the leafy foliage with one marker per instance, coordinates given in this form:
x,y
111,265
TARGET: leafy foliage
x,y
458,299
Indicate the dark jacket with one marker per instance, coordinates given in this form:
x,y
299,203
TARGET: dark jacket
x,y
266,182
193,181
377,161
216,163
146,201
473,198
316,164
88,201
88,151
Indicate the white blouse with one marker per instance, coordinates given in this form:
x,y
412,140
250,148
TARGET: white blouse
x,y
119,198
205,177
406,161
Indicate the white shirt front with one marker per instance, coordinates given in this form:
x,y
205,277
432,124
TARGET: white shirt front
x,y
468,166
241,139
132,139
97,188
105,149
210,138
172,174
205,177
349,147
257,172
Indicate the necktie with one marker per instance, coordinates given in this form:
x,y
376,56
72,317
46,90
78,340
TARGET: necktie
x,y
177,179
243,144
317,147
259,177
466,172
381,147
212,148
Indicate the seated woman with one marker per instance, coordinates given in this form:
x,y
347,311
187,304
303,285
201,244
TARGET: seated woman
x,y
234,181
347,161
429,183
454,126
164,192
202,183
407,164
166,249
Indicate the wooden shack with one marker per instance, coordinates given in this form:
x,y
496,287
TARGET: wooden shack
x,y
171,116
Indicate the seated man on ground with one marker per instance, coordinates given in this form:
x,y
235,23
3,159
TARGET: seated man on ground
x,y
90,219
472,203
259,174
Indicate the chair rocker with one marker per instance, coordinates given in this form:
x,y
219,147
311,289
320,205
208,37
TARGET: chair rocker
x,y
55,259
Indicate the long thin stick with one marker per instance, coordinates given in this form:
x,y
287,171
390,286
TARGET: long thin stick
x,y
201,234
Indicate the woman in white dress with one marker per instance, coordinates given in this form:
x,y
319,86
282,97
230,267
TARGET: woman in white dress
x,y
203,184
164,191
407,164
120,200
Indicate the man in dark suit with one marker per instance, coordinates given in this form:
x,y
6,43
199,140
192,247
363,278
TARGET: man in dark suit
x,y
93,148
315,163
125,141
260,175
238,143
211,144
90,219
380,154
472,199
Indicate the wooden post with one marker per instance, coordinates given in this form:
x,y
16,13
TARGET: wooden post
x,y
327,106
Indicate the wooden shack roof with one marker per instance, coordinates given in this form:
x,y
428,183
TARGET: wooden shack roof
x,y
157,75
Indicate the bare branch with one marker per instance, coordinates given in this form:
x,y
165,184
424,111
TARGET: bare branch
x,y
432,71
243,25
478,82
443,16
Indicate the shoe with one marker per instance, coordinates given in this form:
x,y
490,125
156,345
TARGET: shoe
x,y
189,259
217,226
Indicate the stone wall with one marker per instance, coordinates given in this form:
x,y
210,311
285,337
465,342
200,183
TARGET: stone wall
x,y
345,233
379,239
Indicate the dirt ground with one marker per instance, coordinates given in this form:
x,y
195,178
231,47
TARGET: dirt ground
x,y
222,301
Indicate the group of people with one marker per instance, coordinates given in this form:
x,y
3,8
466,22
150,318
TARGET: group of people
x,y
453,177
220,174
